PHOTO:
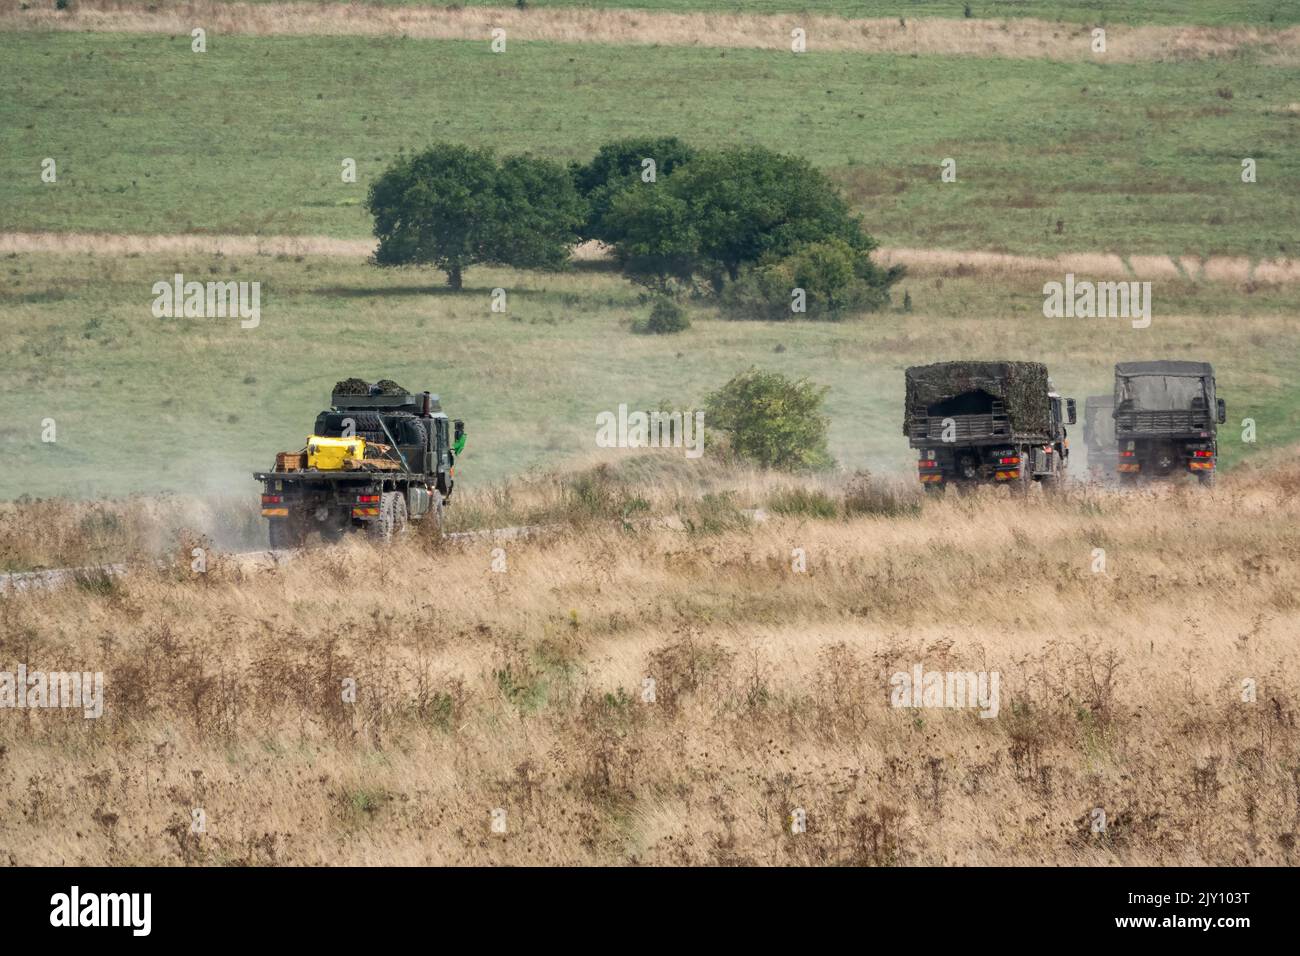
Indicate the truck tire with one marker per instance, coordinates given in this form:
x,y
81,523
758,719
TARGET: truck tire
x,y
436,515
391,522
284,533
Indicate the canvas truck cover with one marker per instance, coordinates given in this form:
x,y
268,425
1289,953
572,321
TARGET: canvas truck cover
x,y
1163,385
1022,386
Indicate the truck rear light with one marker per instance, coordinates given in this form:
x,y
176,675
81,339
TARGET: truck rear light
x,y
1202,454
927,463
272,499
367,499
1013,460
1127,454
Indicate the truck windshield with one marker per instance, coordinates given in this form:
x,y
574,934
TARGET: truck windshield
x,y
1158,393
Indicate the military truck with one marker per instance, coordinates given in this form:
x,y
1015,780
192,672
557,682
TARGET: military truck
x,y
1166,420
378,458
1099,436
986,423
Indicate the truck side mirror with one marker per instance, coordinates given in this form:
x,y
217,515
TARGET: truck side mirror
x,y
1223,411
460,430
1071,416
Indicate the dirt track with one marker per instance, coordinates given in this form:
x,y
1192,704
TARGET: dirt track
x,y
920,262
1017,38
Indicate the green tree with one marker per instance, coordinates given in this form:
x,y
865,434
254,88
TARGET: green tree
x,y
453,206
772,420
657,240
618,166
729,208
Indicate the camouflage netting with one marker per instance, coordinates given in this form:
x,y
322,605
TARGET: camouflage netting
x,y
1022,387
357,386
352,386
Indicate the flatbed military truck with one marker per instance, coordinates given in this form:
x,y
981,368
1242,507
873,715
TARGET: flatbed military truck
x,y
986,423
1099,436
378,458
1166,420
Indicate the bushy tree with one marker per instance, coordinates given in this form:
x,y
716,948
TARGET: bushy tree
x,y
772,420
618,166
725,209
454,206
657,240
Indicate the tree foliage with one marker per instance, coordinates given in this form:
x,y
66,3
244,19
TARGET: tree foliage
x,y
830,277
772,420
618,166
454,206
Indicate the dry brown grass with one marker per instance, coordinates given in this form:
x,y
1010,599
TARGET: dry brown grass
x,y
520,690
1020,38
919,262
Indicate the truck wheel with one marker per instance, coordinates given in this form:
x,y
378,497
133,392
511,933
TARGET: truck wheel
x,y
1022,484
392,517
284,533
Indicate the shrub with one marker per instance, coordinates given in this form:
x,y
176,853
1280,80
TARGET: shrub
x,y
771,420
835,280
667,317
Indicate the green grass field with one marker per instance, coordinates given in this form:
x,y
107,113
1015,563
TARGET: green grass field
x,y
249,137
143,404
1258,12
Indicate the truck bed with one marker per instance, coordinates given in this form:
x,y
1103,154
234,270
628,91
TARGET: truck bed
x,y
314,474
968,430
1161,423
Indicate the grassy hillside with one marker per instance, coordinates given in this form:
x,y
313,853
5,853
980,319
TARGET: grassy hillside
x,y
249,137
153,404
522,691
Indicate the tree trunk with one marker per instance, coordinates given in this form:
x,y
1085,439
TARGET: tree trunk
x,y
454,278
